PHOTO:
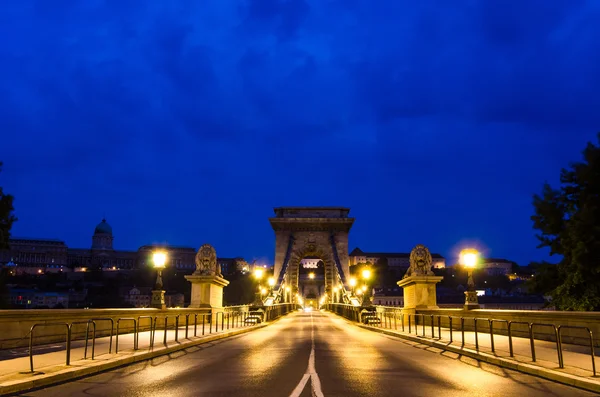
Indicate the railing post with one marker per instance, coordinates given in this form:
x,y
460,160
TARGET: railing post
x,y
165,334
492,334
476,338
432,327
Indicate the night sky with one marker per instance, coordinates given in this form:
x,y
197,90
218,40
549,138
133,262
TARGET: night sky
x,y
188,121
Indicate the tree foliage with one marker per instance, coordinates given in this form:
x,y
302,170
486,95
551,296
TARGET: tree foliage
x,y
6,216
568,220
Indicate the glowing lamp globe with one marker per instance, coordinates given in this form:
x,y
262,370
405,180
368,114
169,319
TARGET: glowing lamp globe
x,y
159,259
469,257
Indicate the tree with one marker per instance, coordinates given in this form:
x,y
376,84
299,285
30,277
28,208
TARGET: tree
x,y
568,219
6,216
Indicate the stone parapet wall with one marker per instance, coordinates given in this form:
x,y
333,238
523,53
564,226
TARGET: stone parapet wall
x,y
590,320
16,324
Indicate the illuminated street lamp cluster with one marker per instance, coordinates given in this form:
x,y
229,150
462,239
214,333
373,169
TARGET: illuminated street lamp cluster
x,y
363,291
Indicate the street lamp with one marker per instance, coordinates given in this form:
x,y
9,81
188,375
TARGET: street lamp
x,y
258,275
352,284
336,289
287,294
311,276
469,258
271,282
366,275
158,294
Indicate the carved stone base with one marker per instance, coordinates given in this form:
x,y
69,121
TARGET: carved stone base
x,y
207,291
158,299
471,301
419,292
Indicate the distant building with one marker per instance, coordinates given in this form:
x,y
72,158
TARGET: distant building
x,y
233,265
497,267
101,254
39,256
388,297
31,299
138,297
174,300
399,262
34,256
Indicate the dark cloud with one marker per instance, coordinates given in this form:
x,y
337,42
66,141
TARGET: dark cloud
x,y
220,111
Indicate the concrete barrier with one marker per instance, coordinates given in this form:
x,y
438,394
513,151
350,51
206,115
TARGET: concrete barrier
x,y
15,324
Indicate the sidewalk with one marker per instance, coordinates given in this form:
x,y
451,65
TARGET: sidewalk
x,y
577,359
50,367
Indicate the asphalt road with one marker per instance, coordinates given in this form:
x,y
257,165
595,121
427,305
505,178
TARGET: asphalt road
x,y
307,354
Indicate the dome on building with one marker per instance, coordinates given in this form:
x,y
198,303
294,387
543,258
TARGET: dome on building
x,y
103,228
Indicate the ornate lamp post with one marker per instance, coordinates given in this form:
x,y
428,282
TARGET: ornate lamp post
x,y
366,275
352,285
469,258
158,294
258,275
271,282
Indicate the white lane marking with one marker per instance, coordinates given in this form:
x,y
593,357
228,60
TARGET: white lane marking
x,y
311,372
298,390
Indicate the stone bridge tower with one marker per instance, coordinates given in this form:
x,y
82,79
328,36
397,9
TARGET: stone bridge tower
x,y
316,232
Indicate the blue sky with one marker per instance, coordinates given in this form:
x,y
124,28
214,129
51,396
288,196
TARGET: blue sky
x,y
188,121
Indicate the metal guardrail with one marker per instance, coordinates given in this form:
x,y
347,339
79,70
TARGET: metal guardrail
x,y
418,319
31,333
112,330
152,329
87,334
560,328
134,332
229,318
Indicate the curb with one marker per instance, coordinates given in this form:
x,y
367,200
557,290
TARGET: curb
x,y
70,373
567,379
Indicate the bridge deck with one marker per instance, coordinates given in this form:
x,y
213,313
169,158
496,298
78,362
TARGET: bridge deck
x,y
305,351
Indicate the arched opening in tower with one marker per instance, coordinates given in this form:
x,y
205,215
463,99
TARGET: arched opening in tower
x,y
311,280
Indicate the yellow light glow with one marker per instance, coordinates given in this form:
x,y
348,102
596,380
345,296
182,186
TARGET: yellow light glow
x,y
263,290
259,273
271,281
159,259
287,289
352,282
311,275
364,288
366,274
359,292
469,257
335,289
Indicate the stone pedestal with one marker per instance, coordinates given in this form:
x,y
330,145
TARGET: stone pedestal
x,y
419,292
471,300
158,299
207,291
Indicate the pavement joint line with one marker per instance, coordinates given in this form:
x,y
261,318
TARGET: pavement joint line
x,y
530,369
71,373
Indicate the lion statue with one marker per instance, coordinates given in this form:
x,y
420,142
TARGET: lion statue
x,y
206,261
420,262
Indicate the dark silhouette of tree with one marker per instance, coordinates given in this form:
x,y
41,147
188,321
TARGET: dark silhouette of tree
x,y
6,216
568,220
